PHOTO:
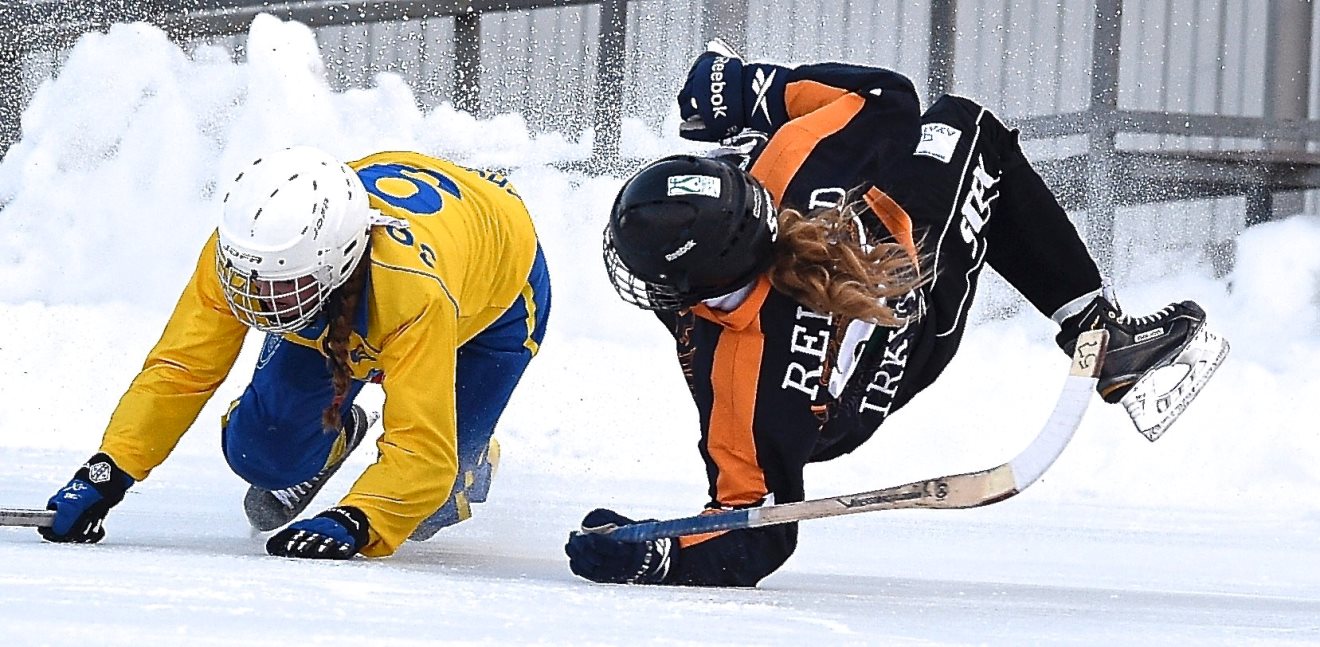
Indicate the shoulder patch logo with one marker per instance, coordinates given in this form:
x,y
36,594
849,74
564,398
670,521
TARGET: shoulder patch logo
x,y
707,185
268,348
938,141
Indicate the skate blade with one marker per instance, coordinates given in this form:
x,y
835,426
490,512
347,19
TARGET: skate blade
x,y
1160,396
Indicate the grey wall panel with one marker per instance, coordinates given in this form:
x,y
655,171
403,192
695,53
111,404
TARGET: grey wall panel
x,y
663,38
891,33
1020,57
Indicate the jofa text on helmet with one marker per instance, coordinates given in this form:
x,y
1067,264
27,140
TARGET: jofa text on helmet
x,y
234,252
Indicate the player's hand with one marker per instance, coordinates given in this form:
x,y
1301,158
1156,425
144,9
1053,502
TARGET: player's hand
x,y
711,101
81,505
601,558
742,149
337,533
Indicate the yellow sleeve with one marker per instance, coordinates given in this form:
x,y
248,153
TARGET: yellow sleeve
x,y
419,450
194,355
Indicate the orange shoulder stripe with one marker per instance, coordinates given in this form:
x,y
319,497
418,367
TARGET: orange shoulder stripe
x,y
745,314
895,219
807,96
789,149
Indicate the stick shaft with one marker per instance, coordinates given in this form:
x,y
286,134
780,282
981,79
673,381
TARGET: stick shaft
x,y
26,517
970,490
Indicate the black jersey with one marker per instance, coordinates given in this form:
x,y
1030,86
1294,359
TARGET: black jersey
x,y
840,127
778,385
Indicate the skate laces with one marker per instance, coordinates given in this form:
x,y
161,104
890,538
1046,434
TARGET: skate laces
x,y
290,496
1149,319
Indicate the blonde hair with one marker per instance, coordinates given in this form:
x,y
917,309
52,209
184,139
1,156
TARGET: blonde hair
x,y
821,262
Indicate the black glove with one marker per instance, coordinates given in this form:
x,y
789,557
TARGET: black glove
x,y
81,506
601,558
337,533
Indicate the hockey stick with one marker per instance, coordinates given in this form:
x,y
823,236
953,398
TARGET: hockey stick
x,y
26,517
970,490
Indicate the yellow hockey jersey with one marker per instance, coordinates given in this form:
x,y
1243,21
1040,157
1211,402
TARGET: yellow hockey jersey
x,y
460,262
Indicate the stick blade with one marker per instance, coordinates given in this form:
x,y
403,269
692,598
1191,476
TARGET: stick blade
x,y
722,48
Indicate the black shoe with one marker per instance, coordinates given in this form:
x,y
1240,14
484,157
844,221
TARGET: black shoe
x,y
269,509
1136,345
1155,365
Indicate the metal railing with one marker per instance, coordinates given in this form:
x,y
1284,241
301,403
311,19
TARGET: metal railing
x,y
1277,159
1053,70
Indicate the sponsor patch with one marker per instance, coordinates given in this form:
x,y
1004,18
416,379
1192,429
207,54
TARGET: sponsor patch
x,y
268,349
707,185
938,141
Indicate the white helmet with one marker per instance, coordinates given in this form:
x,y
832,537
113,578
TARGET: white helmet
x,y
295,225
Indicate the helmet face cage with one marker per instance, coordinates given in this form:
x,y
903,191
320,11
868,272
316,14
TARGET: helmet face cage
x,y
636,291
271,305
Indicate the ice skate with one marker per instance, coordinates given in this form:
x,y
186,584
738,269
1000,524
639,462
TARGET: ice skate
x,y
1155,365
471,486
269,509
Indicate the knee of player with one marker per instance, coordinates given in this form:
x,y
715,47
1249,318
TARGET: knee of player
x,y
264,456
270,471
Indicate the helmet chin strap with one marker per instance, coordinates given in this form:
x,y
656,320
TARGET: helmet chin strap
x,y
378,219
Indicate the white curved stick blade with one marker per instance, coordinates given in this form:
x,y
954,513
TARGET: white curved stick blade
x,y
1088,358
722,48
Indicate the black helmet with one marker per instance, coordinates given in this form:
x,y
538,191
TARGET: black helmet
x,y
687,228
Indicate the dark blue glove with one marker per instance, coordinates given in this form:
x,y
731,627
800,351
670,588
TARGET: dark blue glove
x,y
711,101
723,95
81,506
337,533
600,558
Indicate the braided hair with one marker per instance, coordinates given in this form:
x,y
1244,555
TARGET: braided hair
x,y
340,307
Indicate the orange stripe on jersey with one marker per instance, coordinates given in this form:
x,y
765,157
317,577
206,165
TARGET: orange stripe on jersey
x,y
691,540
894,217
807,96
795,141
746,312
731,439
